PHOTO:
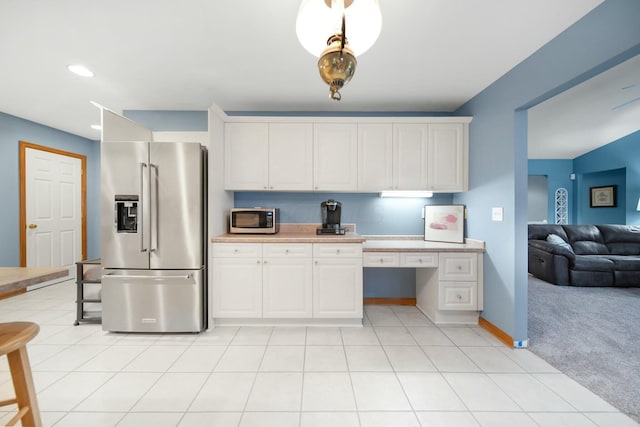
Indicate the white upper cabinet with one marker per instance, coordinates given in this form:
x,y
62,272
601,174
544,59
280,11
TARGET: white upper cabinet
x,y
375,157
335,160
430,156
366,156
246,156
448,170
291,156
269,156
410,157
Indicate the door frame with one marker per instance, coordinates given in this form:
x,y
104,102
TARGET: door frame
x,y
23,195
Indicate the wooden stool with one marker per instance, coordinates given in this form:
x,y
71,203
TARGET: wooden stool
x,y
14,337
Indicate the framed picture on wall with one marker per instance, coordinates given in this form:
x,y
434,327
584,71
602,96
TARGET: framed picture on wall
x,y
603,197
444,223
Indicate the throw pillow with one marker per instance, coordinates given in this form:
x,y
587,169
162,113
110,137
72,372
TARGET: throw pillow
x,y
557,240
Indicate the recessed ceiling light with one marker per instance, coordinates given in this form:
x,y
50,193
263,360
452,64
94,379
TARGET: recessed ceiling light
x,y
96,127
80,70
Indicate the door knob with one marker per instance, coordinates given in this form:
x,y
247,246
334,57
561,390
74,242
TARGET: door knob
x,y
32,226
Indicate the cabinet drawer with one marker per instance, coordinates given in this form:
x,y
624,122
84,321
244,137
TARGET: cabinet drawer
x,y
458,266
419,259
458,296
284,250
236,250
341,250
380,259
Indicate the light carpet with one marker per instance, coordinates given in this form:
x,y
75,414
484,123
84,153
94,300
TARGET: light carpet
x,y
592,335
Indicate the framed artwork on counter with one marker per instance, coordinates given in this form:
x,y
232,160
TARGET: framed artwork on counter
x,y
444,223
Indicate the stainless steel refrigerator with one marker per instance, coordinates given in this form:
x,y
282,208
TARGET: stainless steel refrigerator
x,y
154,213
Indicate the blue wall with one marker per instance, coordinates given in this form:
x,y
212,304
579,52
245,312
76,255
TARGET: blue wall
x,y
558,173
621,154
615,163
370,213
605,37
13,130
602,215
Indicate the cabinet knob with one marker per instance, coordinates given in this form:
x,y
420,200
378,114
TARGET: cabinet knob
x,y
381,261
235,251
32,226
264,262
459,267
265,187
459,297
337,251
420,260
286,251
258,262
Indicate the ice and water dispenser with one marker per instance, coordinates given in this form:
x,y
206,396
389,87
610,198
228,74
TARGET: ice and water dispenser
x,y
126,214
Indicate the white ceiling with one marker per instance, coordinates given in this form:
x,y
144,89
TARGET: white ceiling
x,y
432,55
587,116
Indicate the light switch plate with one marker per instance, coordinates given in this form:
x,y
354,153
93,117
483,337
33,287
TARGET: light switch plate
x,y
497,214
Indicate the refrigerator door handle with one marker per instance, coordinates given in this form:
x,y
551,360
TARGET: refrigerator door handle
x,y
133,276
141,216
154,224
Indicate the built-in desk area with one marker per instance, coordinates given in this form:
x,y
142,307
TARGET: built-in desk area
x,y
449,276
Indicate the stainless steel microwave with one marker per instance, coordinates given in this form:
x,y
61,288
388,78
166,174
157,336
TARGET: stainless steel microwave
x,y
254,220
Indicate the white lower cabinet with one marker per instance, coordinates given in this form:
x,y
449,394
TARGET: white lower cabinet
x,y
337,280
454,292
286,280
237,290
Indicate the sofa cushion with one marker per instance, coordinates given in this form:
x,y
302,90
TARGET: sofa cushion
x,y
553,249
593,263
621,239
557,240
625,262
541,231
586,240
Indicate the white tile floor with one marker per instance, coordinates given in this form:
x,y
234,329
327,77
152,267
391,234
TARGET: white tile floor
x,y
398,370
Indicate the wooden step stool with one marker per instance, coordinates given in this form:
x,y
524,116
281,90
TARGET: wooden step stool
x,y
14,337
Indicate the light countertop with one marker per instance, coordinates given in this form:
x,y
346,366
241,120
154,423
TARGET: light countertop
x,y
306,233
15,278
417,244
292,233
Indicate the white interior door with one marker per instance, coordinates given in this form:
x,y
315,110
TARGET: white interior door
x,y
53,209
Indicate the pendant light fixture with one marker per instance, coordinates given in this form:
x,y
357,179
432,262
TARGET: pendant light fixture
x,y
322,26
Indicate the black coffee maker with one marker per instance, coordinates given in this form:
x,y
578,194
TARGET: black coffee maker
x,y
331,211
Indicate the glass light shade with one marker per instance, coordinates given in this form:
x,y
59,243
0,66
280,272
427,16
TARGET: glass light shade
x,y
317,22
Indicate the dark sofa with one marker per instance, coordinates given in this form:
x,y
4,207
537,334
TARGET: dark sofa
x,y
585,255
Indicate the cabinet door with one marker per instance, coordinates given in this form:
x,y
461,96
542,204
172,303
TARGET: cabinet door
x,y
375,157
335,160
448,157
291,156
236,290
410,157
246,156
287,287
337,288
